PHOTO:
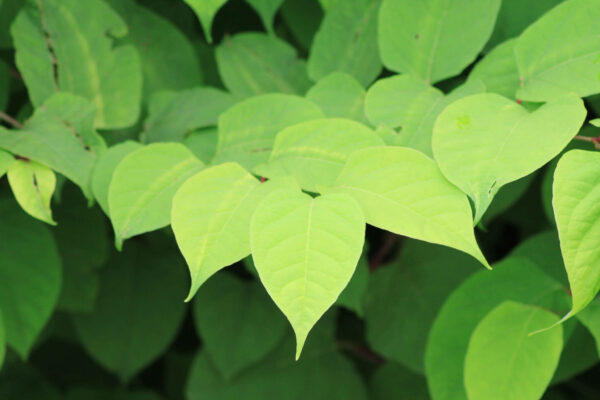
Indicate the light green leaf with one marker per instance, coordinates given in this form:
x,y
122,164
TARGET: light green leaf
x,y
143,186
138,312
33,186
417,285
238,323
560,53
339,95
6,160
105,167
172,115
485,141
595,122
576,203
512,279
254,63
30,271
305,251
205,11
347,41
60,47
314,152
211,218
247,130
403,191
203,143
498,70
420,37
267,10
504,362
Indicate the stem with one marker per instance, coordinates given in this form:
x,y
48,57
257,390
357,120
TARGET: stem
x,y
594,140
4,116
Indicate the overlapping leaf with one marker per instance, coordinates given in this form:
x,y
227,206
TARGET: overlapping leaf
x,y
205,11
498,70
33,186
339,95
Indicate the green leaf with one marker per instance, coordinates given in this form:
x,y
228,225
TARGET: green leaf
x,y
504,362
576,203
211,218
267,10
253,63
2,340
316,242
138,312
404,101
203,143
507,196
8,11
105,167
590,318
172,115
403,191
339,95
30,271
59,47
347,41
485,141
314,152
559,53
353,295
143,186
303,18
6,160
498,70
513,279
33,186
4,81
417,285
579,353
240,328
421,37
595,122
392,381
205,11
247,130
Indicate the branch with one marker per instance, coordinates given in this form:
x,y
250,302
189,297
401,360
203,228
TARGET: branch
x,y
4,116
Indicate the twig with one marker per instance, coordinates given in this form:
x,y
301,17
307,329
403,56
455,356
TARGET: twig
x,y
10,120
594,140
362,352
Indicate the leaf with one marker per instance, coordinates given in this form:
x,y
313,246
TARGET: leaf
x,y
404,101
184,111
33,186
254,63
339,95
239,329
60,48
503,362
513,279
203,143
143,186
420,38
105,167
303,18
29,280
579,353
576,203
315,242
247,130
485,141
403,191
352,297
6,160
392,381
205,11
8,11
211,218
267,10
4,81
507,197
590,318
498,70
314,152
347,41
2,341
138,312
559,53
595,122
417,285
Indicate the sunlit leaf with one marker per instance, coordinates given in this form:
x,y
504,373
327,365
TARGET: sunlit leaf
x,y
33,186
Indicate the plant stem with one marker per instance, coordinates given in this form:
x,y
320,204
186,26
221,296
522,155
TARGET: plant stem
x,y
4,116
594,140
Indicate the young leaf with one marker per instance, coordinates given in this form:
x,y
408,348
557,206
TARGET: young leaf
x,y
339,95
254,63
347,42
211,218
314,152
267,10
485,141
576,202
239,329
403,191
67,45
6,160
30,272
559,52
504,362
247,130
143,186
420,37
205,11
305,251
33,186
498,70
